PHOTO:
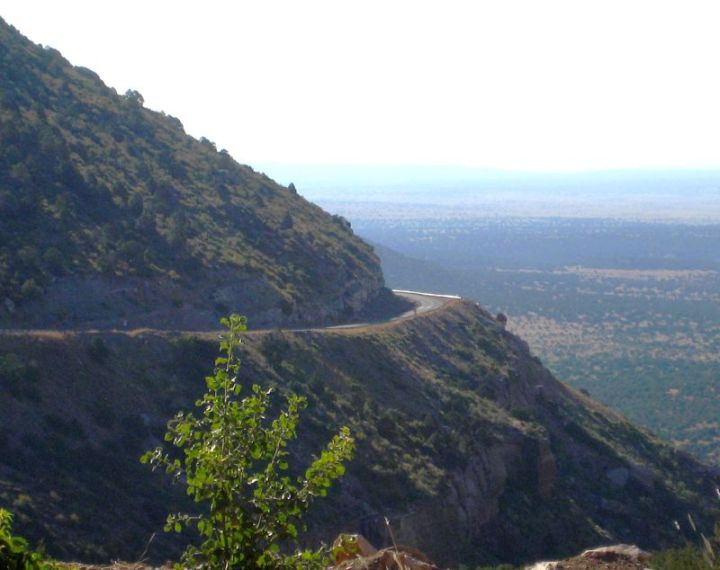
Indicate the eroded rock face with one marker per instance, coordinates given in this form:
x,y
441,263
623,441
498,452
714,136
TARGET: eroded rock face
x,y
557,474
472,503
183,304
344,299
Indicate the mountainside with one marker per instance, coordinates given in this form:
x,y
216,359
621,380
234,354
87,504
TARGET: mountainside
x,y
470,447
110,213
112,217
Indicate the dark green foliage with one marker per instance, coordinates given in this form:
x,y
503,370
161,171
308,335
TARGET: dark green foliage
x,y
92,183
19,378
274,346
98,350
11,369
15,554
191,357
687,558
235,462
69,428
700,556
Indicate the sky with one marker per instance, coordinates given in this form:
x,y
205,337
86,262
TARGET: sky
x,y
508,84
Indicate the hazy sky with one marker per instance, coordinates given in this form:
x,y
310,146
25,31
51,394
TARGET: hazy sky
x,y
504,84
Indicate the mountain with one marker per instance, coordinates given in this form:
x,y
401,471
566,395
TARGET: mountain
x,y
111,215
470,447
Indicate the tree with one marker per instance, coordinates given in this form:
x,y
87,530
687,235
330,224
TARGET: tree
x,y
235,461
15,554
135,97
176,229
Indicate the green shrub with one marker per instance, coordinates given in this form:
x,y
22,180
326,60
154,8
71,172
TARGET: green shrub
x,y
30,289
11,368
15,553
64,427
98,350
235,461
700,556
18,378
687,558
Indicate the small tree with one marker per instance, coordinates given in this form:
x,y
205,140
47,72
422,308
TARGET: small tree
x,y
236,461
15,554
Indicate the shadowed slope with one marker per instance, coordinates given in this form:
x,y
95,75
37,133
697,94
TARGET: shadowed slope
x,y
470,447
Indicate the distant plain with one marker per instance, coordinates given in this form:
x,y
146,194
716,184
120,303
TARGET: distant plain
x,y
612,278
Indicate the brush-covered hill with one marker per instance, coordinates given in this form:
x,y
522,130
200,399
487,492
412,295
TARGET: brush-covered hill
x,y
109,213
465,441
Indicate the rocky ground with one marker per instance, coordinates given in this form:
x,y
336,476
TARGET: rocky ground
x,y
617,557
365,557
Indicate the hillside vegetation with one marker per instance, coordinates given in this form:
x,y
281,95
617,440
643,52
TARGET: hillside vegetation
x,y
109,212
470,447
627,310
112,217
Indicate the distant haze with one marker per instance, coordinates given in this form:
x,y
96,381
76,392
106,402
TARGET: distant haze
x,y
517,84
442,192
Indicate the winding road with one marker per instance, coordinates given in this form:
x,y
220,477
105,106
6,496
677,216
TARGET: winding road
x,y
424,303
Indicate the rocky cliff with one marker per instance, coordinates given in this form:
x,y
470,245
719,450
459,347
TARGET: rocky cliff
x,y
470,447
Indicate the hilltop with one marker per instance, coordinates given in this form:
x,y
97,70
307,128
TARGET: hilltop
x,y
111,215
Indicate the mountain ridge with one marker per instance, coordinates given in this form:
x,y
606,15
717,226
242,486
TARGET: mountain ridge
x,y
111,213
113,218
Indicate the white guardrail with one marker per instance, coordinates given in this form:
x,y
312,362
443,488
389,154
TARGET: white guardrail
x,y
427,294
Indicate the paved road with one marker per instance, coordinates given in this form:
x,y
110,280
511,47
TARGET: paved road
x,y
424,303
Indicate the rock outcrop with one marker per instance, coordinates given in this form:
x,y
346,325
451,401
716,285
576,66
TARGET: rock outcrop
x,y
615,557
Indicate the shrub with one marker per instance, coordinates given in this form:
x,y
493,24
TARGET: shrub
x,y
18,378
15,553
54,261
30,289
97,350
11,368
235,461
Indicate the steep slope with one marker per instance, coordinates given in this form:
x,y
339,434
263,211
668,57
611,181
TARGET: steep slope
x,y
109,213
470,447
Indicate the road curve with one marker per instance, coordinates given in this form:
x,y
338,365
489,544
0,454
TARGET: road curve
x,y
424,303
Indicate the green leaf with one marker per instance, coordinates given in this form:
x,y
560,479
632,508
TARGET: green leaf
x,y
233,445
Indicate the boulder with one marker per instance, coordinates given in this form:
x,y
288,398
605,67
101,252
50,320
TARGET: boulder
x,y
617,553
354,552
